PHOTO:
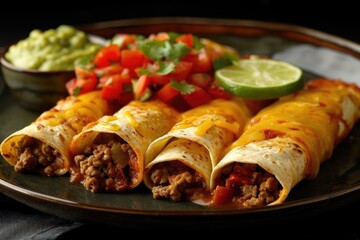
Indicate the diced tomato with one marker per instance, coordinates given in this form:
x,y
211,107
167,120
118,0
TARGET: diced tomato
x,y
141,86
161,36
197,98
187,39
105,79
242,171
158,79
111,91
222,196
124,98
107,55
167,93
126,39
84,73
203,63
202,80
217,92
108,70
237,180
85,81
115,86
71,86
120,62
192,57
78,86
181,71
131,58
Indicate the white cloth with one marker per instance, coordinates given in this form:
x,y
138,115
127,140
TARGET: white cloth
x,y
322,61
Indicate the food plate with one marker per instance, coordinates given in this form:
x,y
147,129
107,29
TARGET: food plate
x,y
337,184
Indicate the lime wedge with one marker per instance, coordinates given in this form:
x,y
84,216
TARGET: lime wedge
x,y
260,78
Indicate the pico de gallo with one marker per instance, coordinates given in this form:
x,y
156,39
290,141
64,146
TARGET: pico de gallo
x,y
177,69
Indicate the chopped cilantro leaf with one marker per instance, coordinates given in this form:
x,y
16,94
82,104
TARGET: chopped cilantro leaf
x,y
173,36
118,40
183,87
165,68
224,61
127,88
84,63
144,71
177,51
155,50
76,91
197,45
163,50
139,38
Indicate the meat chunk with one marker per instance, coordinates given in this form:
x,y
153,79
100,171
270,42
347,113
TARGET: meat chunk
x,y
106,165
172,180
251,186
37,157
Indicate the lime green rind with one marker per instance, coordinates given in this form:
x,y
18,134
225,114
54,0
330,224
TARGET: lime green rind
x,y
260,78
264,93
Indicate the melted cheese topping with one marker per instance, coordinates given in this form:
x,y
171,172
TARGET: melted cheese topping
x,y
74,110
203,127
310,117
227,114
132,121
109,125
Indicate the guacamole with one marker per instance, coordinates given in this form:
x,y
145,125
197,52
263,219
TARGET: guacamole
x,y
52,50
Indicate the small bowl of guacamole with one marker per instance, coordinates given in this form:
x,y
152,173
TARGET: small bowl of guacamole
x,y
36,68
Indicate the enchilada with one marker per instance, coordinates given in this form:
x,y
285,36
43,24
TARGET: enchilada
x,y
179,164
42,147
108,155
285,143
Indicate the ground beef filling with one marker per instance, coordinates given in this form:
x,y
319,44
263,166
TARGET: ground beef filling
x,y
251,186
176,181
38,157
107,165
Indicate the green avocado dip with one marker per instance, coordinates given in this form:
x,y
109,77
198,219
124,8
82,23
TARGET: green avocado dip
x,y
52,50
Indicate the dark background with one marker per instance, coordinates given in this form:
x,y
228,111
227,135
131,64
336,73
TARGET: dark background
x,y
339,18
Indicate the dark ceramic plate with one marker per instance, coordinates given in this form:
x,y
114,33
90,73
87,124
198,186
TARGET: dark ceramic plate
x,y
338,182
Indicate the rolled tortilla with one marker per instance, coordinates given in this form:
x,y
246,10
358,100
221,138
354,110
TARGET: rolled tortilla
x,y
179,164
284,144
43,146
108,155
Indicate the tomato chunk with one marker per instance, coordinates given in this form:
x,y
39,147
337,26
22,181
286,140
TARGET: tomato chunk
x,y
222,196
187,39
107,55
131,58
218,92
238,180
85,81
116,86
108,70
141,86
167,93
181,71
202,80
197,98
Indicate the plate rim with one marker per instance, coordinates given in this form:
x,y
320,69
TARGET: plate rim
x,y
9,187
252,23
